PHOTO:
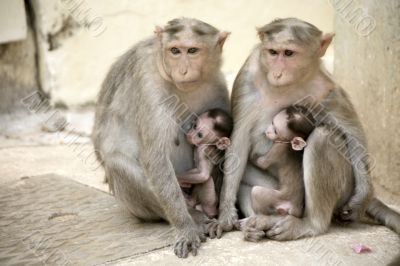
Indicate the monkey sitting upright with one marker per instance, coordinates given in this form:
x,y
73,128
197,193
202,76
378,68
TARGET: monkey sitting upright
x,y
289,131
210,135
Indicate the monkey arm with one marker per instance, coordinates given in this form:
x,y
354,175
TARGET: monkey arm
x,y
194,176
160,174
275,154
265,161
189,172
181,178
199,174
343,116
157,166
356,206
236,159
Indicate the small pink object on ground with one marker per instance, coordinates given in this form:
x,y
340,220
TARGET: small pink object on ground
x,y
360,248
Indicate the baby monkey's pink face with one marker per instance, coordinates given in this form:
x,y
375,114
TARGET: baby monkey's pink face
x,y
278,129
202,131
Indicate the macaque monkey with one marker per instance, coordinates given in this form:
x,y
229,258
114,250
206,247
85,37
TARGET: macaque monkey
x,y
146,104
210,135
285,69
288,131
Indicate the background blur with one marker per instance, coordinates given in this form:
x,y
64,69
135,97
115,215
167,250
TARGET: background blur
x,y
60,52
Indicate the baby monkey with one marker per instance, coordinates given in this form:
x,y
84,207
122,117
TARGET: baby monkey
x,y
289,131
210,134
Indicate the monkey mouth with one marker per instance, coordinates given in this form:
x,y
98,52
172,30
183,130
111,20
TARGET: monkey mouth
x,y
280,83
188,82
186,85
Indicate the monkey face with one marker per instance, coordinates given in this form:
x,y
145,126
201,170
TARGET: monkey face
x,y
278,129
185,61
284,61
271,132
202,131
189,53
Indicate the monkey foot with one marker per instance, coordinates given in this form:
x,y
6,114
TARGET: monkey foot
x,y
188,242
226,222
253,235
350,213
288,228
254,227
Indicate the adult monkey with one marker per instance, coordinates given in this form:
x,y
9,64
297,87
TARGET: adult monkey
x,y
146,102
284,68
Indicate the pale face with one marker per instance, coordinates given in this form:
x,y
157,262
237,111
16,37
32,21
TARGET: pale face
x,y
278,129
190,55
185,61
202,131
285,61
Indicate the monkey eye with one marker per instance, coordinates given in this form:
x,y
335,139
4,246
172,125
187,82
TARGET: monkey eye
x,y
193,50
289,52
175,50
276,133
193,125
200,135
272,52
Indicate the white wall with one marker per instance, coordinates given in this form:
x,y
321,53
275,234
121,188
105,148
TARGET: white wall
x,y
367,65
12,21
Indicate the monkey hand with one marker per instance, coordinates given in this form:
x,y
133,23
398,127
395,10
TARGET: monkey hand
x,y
188,241
261,162
226,222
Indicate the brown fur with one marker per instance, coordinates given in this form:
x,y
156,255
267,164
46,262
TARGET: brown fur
x,y
209,156
286,164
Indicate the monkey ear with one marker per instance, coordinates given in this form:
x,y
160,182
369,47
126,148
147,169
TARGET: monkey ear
x,y
222,38
158,32
223,143
260,33
281,211
298,143
325,42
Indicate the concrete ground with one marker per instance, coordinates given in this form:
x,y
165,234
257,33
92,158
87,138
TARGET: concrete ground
x,y
28,150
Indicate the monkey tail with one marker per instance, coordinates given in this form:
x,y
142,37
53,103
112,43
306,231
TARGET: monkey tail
x,y
384,215
395,261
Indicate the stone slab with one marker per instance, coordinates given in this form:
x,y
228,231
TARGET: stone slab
x,y
50,220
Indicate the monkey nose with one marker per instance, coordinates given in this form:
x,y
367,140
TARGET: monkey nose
x,y
278,75
183,71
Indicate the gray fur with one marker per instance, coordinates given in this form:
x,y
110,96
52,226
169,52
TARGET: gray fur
x,y
135,135
335,179
303,32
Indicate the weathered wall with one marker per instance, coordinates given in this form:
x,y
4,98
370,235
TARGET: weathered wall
x,y
79,39
367,65
12,21
18,72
